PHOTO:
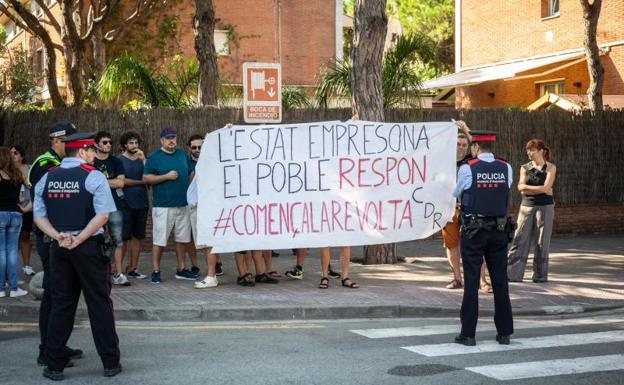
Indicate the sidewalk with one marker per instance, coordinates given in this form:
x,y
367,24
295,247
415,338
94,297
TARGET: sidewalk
x,y
586,274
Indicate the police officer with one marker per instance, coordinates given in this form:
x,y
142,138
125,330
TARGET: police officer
x,y
483,185
40,166
72,203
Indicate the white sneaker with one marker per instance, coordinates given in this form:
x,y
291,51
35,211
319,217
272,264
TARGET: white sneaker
x,y
2,293
120,280
17,293
207,282
28,270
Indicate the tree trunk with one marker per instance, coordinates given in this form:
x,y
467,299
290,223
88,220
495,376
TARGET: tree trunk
x,y
591,13
203,27
74,55
99,52
369,38
32,22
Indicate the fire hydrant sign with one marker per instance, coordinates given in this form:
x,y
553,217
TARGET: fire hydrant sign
x,y
262,89
324,184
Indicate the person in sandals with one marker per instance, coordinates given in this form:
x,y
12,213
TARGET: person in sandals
x,y
345,259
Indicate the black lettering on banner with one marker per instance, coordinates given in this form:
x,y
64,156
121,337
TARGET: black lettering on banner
x,y
268,141
294,175
221,159
253,139
260,176
237,146
225,182
279,138
311,142
276,186
321,176
385,147
333,137
339,135
423,137
291,129
351,136
240,181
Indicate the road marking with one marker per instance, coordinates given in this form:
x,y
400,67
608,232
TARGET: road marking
x,y
551,368
33,325
429,330
437,350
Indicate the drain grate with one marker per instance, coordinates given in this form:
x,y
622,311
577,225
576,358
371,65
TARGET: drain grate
x,y
420,370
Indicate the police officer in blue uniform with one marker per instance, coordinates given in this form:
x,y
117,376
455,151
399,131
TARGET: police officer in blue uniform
x,y
40,166
72,203
483,185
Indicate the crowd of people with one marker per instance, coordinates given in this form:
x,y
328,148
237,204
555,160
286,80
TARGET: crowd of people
x,y
165,181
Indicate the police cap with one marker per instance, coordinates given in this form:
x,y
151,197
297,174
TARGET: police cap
x,y
483,136
80,140
62,129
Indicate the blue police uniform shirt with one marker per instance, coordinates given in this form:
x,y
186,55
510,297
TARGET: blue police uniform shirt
x,y
95,183
464,175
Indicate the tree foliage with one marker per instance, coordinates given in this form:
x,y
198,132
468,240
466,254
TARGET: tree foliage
x,y
401,80
128,78
17,86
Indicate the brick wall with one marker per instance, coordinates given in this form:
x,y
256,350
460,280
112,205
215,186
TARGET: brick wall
x,y
523,92
306,36
500,30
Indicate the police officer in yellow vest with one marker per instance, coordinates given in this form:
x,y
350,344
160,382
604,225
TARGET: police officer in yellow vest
x,y
72,202
483,185
40,166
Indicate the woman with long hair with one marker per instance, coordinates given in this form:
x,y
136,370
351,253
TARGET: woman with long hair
x,y
19,156
11,180
536,214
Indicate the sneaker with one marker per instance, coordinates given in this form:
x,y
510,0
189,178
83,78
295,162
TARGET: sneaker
x,y
219,269
206,283
185,274
295,273
333,274
17,293
265,278
2,293
135,274
195,271
155,276
28,271
120,280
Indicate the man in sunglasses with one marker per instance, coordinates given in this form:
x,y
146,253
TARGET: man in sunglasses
x,y
195,144
113,170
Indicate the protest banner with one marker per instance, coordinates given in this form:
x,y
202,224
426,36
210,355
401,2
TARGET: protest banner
x,y
324,184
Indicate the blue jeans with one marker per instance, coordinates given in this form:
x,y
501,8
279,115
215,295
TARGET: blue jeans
x,y
10,224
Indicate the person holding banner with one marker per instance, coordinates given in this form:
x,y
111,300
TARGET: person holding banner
x,y
345,259
483,185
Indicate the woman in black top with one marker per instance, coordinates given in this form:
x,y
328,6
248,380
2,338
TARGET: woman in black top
x,y
536,214
11,181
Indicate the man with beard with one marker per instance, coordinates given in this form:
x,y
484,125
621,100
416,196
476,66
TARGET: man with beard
x,y
113,170
135,194
167,170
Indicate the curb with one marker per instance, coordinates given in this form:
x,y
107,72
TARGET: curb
x,y
204,313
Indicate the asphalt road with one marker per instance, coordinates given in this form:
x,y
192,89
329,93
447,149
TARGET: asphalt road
x,y
559,350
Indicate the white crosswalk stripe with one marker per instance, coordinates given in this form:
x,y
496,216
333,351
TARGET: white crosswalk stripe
x,y
429,330
551,368
437,350
521,370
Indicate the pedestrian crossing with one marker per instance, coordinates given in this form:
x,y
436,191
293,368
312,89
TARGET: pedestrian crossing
x,y
512,370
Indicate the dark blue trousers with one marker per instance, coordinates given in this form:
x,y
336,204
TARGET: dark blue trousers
x,y
82,269
491,244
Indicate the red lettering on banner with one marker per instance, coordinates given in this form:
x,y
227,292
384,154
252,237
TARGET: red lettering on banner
x,y
342,172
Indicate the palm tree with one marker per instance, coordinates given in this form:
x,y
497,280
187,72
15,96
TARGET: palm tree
x,y
127,77
401,81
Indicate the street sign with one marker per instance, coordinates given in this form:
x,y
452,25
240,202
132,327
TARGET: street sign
x,y
262,92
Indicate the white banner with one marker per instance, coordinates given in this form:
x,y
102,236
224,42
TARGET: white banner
x,y
324,184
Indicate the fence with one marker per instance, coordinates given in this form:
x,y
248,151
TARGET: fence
x,y
587,148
